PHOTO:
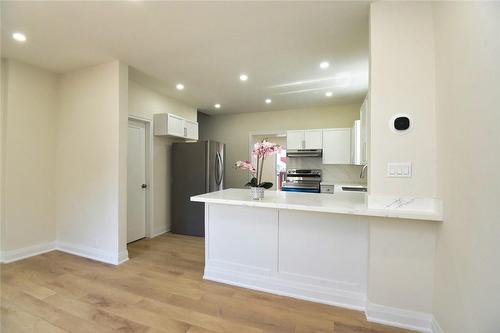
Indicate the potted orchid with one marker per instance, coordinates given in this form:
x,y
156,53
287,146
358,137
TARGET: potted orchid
x,y
260,151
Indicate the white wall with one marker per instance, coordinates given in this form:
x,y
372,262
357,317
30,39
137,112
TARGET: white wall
x,y
467,284
28,142
89,161
402,81
144,102
401,266
233,130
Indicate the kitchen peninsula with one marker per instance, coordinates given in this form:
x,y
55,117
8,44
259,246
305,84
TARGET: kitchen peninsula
x,y
325,248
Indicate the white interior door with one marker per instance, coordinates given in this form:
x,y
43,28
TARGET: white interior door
x,y
136,182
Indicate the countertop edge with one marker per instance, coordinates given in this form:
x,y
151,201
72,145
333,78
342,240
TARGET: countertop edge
x,y
388,213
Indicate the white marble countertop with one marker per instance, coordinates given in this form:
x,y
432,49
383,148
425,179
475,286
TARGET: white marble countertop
x,y
339,203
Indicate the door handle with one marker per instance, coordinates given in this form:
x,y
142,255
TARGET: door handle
x,y
144,186
218,168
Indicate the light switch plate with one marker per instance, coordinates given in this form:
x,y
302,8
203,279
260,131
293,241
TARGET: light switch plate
x,y
400,170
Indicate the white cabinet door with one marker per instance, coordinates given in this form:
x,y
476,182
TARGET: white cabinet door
x,y
337,146
191,129
295,139
313,139
356,143
363,117
175,125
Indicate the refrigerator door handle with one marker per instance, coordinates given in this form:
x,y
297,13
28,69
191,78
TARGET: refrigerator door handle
x,y
218,168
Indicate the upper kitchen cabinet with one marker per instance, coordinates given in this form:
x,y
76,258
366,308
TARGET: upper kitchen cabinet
x,y
337,146
191,129
173,125
304,139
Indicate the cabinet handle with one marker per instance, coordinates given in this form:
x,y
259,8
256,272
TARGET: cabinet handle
x,y
185,132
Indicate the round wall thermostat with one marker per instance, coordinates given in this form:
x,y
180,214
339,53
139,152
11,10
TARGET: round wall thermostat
x,y
400,123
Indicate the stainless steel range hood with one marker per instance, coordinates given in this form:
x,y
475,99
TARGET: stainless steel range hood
x,y
304,153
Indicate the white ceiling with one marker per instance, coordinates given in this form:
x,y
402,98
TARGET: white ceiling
x,y
205,46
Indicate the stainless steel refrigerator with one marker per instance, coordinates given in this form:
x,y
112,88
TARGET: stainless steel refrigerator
x,y
197,168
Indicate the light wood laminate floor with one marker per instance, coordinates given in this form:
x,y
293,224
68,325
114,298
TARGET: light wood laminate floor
x,y
160,289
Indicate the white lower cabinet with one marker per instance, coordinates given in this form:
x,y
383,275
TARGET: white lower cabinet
x,y
315,256
337,146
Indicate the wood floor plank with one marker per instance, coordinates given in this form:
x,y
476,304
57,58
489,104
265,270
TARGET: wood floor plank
x,y
159,290
16,320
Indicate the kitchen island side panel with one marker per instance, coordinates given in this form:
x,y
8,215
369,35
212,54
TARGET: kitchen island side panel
x,y
314,256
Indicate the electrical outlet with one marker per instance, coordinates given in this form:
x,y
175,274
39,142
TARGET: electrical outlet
x,y
401,170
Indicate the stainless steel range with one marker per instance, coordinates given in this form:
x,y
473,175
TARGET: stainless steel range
x,y
302,180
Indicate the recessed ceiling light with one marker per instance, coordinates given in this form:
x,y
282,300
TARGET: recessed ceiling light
x,y
217,106
328,94
324,65
243,77
179,86
268,101
19,36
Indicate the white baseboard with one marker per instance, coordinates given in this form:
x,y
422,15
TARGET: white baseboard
x,y
78,250
412,320
285,287
92,253
26,252
159,232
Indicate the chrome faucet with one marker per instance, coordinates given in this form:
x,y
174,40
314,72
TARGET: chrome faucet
x,y
362,173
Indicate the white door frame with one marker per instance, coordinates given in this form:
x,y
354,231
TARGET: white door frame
x,y
149,172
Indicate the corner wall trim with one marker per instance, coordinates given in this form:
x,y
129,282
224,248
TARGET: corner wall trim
x,y
419,321
435,328
26,252
159,232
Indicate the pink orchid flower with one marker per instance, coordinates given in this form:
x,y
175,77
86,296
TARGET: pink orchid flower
x,y
245,165
260,151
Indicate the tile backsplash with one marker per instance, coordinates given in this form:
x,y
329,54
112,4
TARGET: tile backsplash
x,y
335,173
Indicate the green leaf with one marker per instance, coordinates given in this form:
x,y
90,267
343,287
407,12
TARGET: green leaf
x,y
266,185
252,182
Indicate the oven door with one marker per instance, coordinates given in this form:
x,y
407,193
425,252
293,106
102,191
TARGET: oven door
x,y
301,187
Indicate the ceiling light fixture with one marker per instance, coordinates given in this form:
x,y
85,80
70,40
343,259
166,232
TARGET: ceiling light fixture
x,y
328,94
324,65
179,86
217,106
268,101
243,77
19,36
